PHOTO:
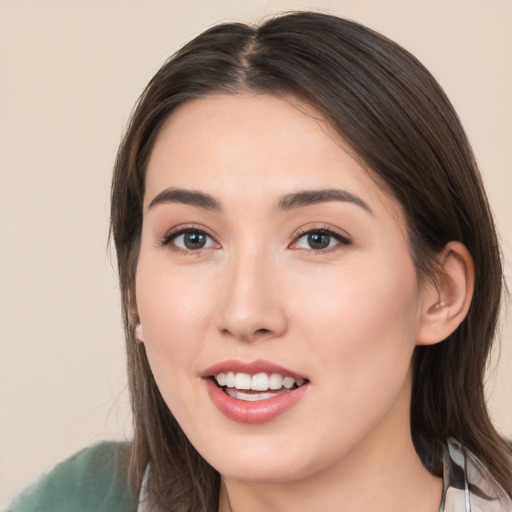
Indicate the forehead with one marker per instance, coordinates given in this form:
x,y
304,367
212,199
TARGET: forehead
x,y
256,146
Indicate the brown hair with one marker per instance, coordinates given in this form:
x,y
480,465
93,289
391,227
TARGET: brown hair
x,y
396,118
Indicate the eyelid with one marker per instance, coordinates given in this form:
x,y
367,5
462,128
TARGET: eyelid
x,y
342,238
173,233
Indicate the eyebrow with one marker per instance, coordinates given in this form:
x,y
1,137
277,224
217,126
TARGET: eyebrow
x,y
310,197
190,197
287,202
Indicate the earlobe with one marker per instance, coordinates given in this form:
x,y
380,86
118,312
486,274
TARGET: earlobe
x,y
446,305
134,314
139,333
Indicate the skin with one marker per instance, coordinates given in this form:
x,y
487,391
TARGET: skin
x,y
348,317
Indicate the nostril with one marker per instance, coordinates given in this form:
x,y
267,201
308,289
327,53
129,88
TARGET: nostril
x,y
247,337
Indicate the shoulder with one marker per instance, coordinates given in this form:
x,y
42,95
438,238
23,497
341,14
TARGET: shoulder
x,y
94,479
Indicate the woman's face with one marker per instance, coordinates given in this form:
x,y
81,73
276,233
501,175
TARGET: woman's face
x,y
271,259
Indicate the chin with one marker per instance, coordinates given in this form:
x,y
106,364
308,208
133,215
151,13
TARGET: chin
x,y
263,473
255,460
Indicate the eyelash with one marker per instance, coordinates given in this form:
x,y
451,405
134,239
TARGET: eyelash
x,y
171,236
322,230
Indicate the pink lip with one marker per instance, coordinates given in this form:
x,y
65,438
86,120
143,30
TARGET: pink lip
x,y
253,413
253,367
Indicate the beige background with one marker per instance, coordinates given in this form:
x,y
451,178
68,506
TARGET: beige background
x,y
70,72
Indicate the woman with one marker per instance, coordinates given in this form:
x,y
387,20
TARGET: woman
x,y
310,279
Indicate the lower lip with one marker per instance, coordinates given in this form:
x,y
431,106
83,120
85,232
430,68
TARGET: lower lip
x,y
253,413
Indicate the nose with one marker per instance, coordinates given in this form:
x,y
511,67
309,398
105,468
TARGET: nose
x,y
251,305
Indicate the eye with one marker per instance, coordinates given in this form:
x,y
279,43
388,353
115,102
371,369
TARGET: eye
x,y
321,240
188,239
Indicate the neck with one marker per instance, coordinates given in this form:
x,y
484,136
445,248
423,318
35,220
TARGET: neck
x,y
391,478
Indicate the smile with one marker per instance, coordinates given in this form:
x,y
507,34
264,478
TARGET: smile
x,y
261,386
253,393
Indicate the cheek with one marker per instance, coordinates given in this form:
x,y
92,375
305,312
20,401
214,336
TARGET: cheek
x,y
362,325
361,340
171,303
175,312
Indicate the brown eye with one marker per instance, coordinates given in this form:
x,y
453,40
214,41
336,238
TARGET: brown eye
x,y
189,240
194,240
322,240
318,240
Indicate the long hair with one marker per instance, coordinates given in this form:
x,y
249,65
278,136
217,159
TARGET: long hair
x,y
395,117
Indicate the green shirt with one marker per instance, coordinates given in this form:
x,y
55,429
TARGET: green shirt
x,y
93,480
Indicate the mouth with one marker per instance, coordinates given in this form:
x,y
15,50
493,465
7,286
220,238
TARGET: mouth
x,y
255,387
254,392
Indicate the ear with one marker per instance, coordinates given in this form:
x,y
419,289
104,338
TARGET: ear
x,y
446,303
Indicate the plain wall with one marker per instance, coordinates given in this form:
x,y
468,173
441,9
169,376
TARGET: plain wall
x,y
70,72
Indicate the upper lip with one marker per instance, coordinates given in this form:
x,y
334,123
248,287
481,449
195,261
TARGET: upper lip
x,y
250,367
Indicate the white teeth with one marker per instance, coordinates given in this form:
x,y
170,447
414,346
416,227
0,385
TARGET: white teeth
x,y
242,381
247,397
275,381
257,382
230,380
288,382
